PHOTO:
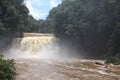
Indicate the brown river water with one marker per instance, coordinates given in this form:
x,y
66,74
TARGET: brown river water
x,y
67,69
37,57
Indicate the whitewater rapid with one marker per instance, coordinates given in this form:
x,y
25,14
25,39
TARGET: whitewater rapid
x,y
67,69
39,57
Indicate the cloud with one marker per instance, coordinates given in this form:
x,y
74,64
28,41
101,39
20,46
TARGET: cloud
x,y
39,9
32,11
54,3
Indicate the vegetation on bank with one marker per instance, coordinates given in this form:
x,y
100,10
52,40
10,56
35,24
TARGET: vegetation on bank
x,y
7,69
13,18
92,26
113,59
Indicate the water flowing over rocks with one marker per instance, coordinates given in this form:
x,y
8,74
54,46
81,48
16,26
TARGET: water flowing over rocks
x,y
56,69
37,57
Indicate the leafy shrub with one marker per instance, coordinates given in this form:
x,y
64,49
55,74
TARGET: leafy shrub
x,y
115,60
7,69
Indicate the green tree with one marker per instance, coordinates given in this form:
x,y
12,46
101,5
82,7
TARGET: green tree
x,y
13,15
13,18
87,23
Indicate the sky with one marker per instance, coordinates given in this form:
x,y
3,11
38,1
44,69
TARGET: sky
x,y
39,9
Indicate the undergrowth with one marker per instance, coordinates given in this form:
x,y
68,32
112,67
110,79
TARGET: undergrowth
x,y
7,69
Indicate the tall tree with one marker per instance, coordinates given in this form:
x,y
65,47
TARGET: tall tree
x,y
88,23
13,14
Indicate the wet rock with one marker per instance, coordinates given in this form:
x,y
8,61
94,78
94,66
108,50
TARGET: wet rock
x,y
99,63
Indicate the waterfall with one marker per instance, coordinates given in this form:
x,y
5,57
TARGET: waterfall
x,y
33,45
36,45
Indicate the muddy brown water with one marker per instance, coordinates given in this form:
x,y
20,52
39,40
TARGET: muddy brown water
x,y
56,69
41,46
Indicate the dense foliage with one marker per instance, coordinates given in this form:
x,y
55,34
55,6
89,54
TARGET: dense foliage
x,y
13,18
37,26
92,25
7,69
13,15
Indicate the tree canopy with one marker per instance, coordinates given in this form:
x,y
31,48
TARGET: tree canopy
x,y
13,15
93,25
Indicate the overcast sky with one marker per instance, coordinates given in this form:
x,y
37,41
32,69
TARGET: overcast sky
x,y
39,9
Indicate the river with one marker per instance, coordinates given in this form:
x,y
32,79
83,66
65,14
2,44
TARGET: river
x,y
37,57
66,69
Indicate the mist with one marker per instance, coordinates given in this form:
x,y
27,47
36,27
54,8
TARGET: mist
x,y
6,39
38,47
